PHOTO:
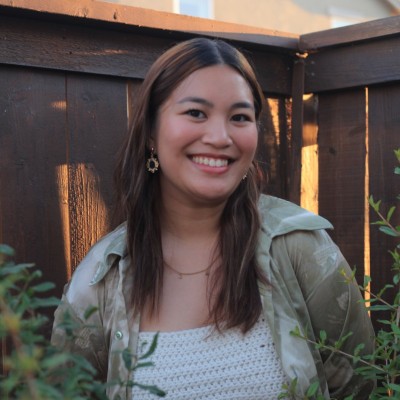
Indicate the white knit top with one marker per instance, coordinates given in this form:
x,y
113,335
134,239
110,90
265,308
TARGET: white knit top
x,y
202,364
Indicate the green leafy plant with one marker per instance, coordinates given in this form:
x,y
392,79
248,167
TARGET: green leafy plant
x,y
383,365
33,368
387,362
127,357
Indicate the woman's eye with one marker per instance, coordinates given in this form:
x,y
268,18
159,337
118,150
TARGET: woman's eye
x,y
241,118
195,113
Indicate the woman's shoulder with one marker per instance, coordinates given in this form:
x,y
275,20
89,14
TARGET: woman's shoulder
x,y
279,217
100,258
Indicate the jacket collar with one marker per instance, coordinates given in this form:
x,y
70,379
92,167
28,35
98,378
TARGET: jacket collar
x,y
109,249
278,218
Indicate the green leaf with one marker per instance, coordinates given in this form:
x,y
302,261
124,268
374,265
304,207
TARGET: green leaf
x,y
296,332
340,342
7,250
397,170
390,213
358,349
90,311
380,308
312,390
373,204
151,349
389,231
152,389
367,280
127,358
43,287
382,223
144,364
15,269
395,329
397,154
45,302
55,360
394,387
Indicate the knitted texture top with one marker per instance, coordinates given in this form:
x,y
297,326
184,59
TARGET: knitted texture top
x,y
203,364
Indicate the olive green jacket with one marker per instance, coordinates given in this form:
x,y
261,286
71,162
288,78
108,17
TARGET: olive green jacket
x,y
306,291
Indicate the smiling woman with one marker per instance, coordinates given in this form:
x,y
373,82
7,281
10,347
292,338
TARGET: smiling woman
x,y
206,137
223,273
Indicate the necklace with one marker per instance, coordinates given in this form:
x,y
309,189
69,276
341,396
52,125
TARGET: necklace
x,y
182,274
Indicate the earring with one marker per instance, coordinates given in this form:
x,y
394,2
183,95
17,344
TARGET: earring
x,y
244,177
152,163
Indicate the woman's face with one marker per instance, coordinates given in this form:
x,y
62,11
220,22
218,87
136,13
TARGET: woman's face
x,y
206,136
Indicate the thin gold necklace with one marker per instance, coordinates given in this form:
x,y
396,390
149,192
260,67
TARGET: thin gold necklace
x,y
182,274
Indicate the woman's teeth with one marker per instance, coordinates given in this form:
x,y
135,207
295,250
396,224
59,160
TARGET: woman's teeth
x,y
211,162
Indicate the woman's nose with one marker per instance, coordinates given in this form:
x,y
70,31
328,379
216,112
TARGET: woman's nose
x,y
216,133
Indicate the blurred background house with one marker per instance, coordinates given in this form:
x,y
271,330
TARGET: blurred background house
x,y
294,16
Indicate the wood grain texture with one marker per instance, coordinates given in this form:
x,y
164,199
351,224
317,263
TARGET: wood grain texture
x,y
366,63
32,146
125,17
384,27
294,167
384,122
77,48
97,122
66,47
341,143
309,156
271,152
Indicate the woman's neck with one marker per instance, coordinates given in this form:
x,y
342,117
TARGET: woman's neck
x,y
185,221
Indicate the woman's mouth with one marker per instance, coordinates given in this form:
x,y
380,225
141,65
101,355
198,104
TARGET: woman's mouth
x,y
210,161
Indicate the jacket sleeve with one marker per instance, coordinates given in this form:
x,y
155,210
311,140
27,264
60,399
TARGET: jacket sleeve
x,y
90,336
334,306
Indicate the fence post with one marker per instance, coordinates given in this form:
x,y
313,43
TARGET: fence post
x,y
296,143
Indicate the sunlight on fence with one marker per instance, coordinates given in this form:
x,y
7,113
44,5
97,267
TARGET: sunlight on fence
x,y
309,191
367,226
62,186
84,215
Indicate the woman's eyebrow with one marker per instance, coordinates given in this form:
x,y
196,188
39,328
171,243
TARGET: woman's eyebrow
x,y
242,104
198,100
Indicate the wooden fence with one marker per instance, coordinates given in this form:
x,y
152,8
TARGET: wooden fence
x,y
69,73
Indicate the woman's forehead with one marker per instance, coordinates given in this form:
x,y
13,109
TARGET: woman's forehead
x,y
217,80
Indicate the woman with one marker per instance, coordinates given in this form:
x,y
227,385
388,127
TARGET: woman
x,y
222,272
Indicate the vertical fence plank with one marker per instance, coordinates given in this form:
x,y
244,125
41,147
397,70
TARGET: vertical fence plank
x,y
309,155
97,121
384,137
32,143
271,154
32,146
341,142
294,170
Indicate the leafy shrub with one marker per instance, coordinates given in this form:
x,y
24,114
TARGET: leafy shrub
x,y
383,365
33,368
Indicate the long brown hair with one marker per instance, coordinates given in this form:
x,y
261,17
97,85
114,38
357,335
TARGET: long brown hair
x,y
237,300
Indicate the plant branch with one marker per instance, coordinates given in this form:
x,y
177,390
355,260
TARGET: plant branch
x,y
30,380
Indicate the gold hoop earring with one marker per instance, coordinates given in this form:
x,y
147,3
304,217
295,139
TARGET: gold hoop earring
x,y
152,163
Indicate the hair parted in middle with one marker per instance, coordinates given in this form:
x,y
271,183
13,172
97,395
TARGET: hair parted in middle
x,y
237,299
